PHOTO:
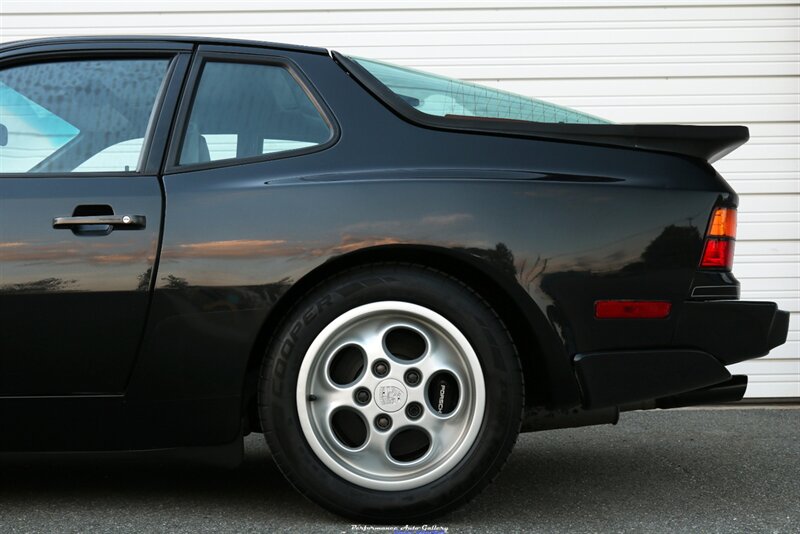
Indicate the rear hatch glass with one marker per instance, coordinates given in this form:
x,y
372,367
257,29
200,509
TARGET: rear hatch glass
x,y
447,97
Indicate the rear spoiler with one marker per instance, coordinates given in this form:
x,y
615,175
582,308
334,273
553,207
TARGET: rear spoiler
x,y
709,143
705,142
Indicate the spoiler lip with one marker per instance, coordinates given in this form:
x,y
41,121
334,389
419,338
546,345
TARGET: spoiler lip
x,y
709,143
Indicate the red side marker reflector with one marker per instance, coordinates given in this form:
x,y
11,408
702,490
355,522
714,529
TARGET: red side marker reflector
x,y
631,309
718,253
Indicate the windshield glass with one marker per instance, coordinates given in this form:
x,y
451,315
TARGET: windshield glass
x,y
447,97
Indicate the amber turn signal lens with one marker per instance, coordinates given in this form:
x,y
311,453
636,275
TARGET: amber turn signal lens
x,y
723,223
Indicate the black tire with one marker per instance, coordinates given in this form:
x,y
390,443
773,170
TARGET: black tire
x,y
414,284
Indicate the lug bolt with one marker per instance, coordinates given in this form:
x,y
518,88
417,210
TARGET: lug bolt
x,y
381,368
383,422
412,377
363,396
414,410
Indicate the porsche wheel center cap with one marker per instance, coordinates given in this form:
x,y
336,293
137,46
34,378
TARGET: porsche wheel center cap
x,y
390,395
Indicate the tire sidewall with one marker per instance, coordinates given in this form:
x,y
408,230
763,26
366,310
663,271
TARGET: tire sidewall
x,y
430,289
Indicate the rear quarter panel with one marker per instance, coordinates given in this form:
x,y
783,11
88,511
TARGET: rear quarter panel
x,y
567,223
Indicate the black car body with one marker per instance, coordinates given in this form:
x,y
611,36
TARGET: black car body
x,y
149,332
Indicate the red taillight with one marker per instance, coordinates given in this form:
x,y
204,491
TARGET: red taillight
x,y
631,309
718,249
718,254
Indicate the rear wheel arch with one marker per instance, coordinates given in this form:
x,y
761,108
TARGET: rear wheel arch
x,y
549,380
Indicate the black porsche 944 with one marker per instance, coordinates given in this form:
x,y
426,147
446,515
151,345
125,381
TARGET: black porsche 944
x,y
388,273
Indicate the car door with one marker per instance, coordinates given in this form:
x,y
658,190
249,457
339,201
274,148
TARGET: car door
x,y
81,143
248,115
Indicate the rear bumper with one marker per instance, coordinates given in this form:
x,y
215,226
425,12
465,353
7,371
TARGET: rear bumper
x,y
732,330
708,336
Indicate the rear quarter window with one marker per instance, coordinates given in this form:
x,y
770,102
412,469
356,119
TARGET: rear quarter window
x,y
242,111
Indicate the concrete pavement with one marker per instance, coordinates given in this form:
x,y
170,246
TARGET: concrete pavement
x,y
729,470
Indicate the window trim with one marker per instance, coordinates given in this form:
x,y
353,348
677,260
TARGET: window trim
x,y
164,102
214,54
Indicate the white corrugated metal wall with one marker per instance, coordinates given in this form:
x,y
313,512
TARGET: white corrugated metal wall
x,y
690,61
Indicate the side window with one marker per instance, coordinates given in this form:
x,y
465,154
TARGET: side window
x,y
246,110
77,116
123,156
